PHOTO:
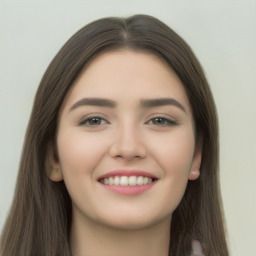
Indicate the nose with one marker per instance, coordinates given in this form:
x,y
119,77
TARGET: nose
x,y
128,144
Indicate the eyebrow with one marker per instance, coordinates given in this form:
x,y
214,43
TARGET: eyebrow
x,y
94,102
150,103
144,103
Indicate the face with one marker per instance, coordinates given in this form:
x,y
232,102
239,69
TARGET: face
x,y
125,141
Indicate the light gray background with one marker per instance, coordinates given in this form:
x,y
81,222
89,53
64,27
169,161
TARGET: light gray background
x,y
223,36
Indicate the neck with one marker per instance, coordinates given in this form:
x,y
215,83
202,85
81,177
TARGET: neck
x,y
91,238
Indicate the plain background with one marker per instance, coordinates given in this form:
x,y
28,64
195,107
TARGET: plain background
x,y
221,33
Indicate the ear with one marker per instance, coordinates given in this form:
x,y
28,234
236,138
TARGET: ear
x,y
196,163
53,168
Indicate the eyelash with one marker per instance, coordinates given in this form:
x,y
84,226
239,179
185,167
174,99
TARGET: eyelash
x,y
166,121
85,121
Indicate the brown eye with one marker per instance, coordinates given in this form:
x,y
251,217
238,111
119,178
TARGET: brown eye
x,y
93,121
161,121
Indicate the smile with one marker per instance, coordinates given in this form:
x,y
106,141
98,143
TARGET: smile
x,y
127,181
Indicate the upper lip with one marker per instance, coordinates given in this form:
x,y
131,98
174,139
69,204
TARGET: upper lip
x,y
125,172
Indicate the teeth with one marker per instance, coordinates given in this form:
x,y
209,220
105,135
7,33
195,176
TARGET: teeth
x,y
140,180
127,181
132,181
110,181
123,181
116,180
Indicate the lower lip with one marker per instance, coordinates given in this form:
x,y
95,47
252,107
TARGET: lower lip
x,y
129,190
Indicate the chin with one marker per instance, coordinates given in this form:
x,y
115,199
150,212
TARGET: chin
x,y
135,222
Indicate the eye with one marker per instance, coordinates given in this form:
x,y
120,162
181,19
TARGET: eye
x,y
93,121
161,121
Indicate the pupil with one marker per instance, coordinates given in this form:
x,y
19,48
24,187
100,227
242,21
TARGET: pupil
x,y
159,120
95,121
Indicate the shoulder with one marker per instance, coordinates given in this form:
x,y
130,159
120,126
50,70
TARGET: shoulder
x,y
196,248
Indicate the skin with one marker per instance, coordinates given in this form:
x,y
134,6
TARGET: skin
x,y
127,136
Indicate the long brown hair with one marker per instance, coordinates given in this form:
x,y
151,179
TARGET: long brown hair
x,y
40,217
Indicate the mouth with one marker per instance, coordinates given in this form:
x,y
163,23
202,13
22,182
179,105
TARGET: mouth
x,y
128,182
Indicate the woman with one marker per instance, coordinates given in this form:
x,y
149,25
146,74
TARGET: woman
x,y
121,151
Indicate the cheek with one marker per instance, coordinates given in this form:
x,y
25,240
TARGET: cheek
x,y
79,154
174,152
174,155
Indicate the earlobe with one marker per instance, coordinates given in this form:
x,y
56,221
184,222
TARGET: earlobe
x,y
195,169
194,174
55,175
53,170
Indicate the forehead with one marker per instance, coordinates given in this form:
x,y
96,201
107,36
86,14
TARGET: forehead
x,y
127,74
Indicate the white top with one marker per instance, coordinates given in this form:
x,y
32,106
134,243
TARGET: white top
x,y
196,248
